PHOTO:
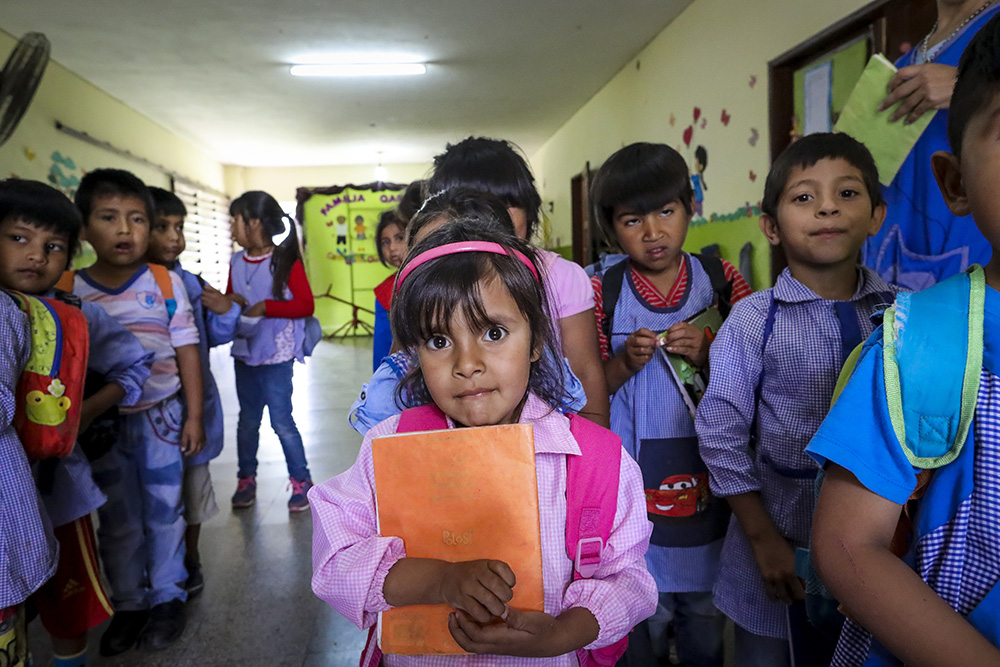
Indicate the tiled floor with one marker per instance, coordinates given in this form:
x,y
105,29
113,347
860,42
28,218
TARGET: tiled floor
x,y
257,608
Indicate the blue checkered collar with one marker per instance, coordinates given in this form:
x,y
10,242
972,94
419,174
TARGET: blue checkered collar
x,y
790,290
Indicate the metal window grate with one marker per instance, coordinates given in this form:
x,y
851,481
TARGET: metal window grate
x,y
206,230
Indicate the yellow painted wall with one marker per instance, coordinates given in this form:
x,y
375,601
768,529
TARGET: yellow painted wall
x,y
282,182
705,58
36,148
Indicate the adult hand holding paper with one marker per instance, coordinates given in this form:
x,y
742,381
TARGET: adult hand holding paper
x,y
865,119
919,88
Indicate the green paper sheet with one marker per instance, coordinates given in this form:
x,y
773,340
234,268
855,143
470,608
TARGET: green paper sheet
x,y
889,143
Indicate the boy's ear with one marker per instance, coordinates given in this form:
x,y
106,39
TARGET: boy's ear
x,y
878,217
769,226
947,168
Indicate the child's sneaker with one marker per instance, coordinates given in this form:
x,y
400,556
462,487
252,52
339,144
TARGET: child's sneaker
x,y
246,493
299,502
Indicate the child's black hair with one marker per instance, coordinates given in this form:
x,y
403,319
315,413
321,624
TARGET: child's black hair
x,y
111,182
258,205
809,150
488,165
978,81
701,155
436,289
411,201
385,219
461,203
642,177
41,205
167,203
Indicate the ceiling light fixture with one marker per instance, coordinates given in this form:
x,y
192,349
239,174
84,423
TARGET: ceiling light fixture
x,y
358,69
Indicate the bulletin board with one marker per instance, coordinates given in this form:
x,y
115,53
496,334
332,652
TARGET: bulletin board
x,y
843,68
338,231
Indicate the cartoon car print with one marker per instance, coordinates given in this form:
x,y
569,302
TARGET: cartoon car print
x,y
679,496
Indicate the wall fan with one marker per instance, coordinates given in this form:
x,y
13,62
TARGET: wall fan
x,y
20,78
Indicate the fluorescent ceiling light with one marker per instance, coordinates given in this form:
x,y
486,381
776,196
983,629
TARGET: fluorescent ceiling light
x,y
358,69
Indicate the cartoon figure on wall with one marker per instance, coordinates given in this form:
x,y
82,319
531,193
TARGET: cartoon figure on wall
x,y
698,179
61,174
341,229
359,228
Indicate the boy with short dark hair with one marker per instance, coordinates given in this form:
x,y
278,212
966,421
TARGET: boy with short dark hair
x,y
216,318
39,229
951,561
142,524
774,365
644,198
28,551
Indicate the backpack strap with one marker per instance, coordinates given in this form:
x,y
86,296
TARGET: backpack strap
x,y
722,286
591,494
66,281
772,311
591,506
611,288
161,275
422,418
931,408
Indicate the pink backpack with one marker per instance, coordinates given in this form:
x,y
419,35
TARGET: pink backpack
x,y
591,504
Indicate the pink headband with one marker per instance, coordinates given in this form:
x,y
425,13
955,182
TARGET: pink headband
x,y
461,246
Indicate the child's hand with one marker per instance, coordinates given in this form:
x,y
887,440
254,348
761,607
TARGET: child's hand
x,y
688,341
480,587
530,634
256,310
238,299
215,301
776,560
192,437
639,349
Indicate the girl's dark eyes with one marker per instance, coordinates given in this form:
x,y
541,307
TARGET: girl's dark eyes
x,y
437,342
847,194
495,334
802,198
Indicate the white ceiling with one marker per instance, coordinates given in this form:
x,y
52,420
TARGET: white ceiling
x,y
216,72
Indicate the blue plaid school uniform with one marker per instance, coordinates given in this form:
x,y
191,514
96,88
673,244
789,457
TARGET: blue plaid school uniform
x,y
27,548
651,418
787,384
959,559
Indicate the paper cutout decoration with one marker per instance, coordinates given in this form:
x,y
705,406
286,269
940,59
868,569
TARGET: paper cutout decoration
x,y
672,120
753,176
889,143
688,134
725,117
697,114
341,230
457,495
753,80
754,136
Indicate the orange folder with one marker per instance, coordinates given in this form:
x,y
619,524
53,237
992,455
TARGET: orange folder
x,y
456,495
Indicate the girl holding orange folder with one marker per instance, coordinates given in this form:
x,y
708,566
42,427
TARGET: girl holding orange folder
x,y
473,310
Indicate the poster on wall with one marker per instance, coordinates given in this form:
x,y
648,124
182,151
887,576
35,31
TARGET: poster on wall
x,y
338,229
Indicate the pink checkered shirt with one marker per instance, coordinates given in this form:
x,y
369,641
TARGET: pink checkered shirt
x,y
351,560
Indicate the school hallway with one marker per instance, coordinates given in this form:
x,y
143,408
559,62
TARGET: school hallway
x,y
257,608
